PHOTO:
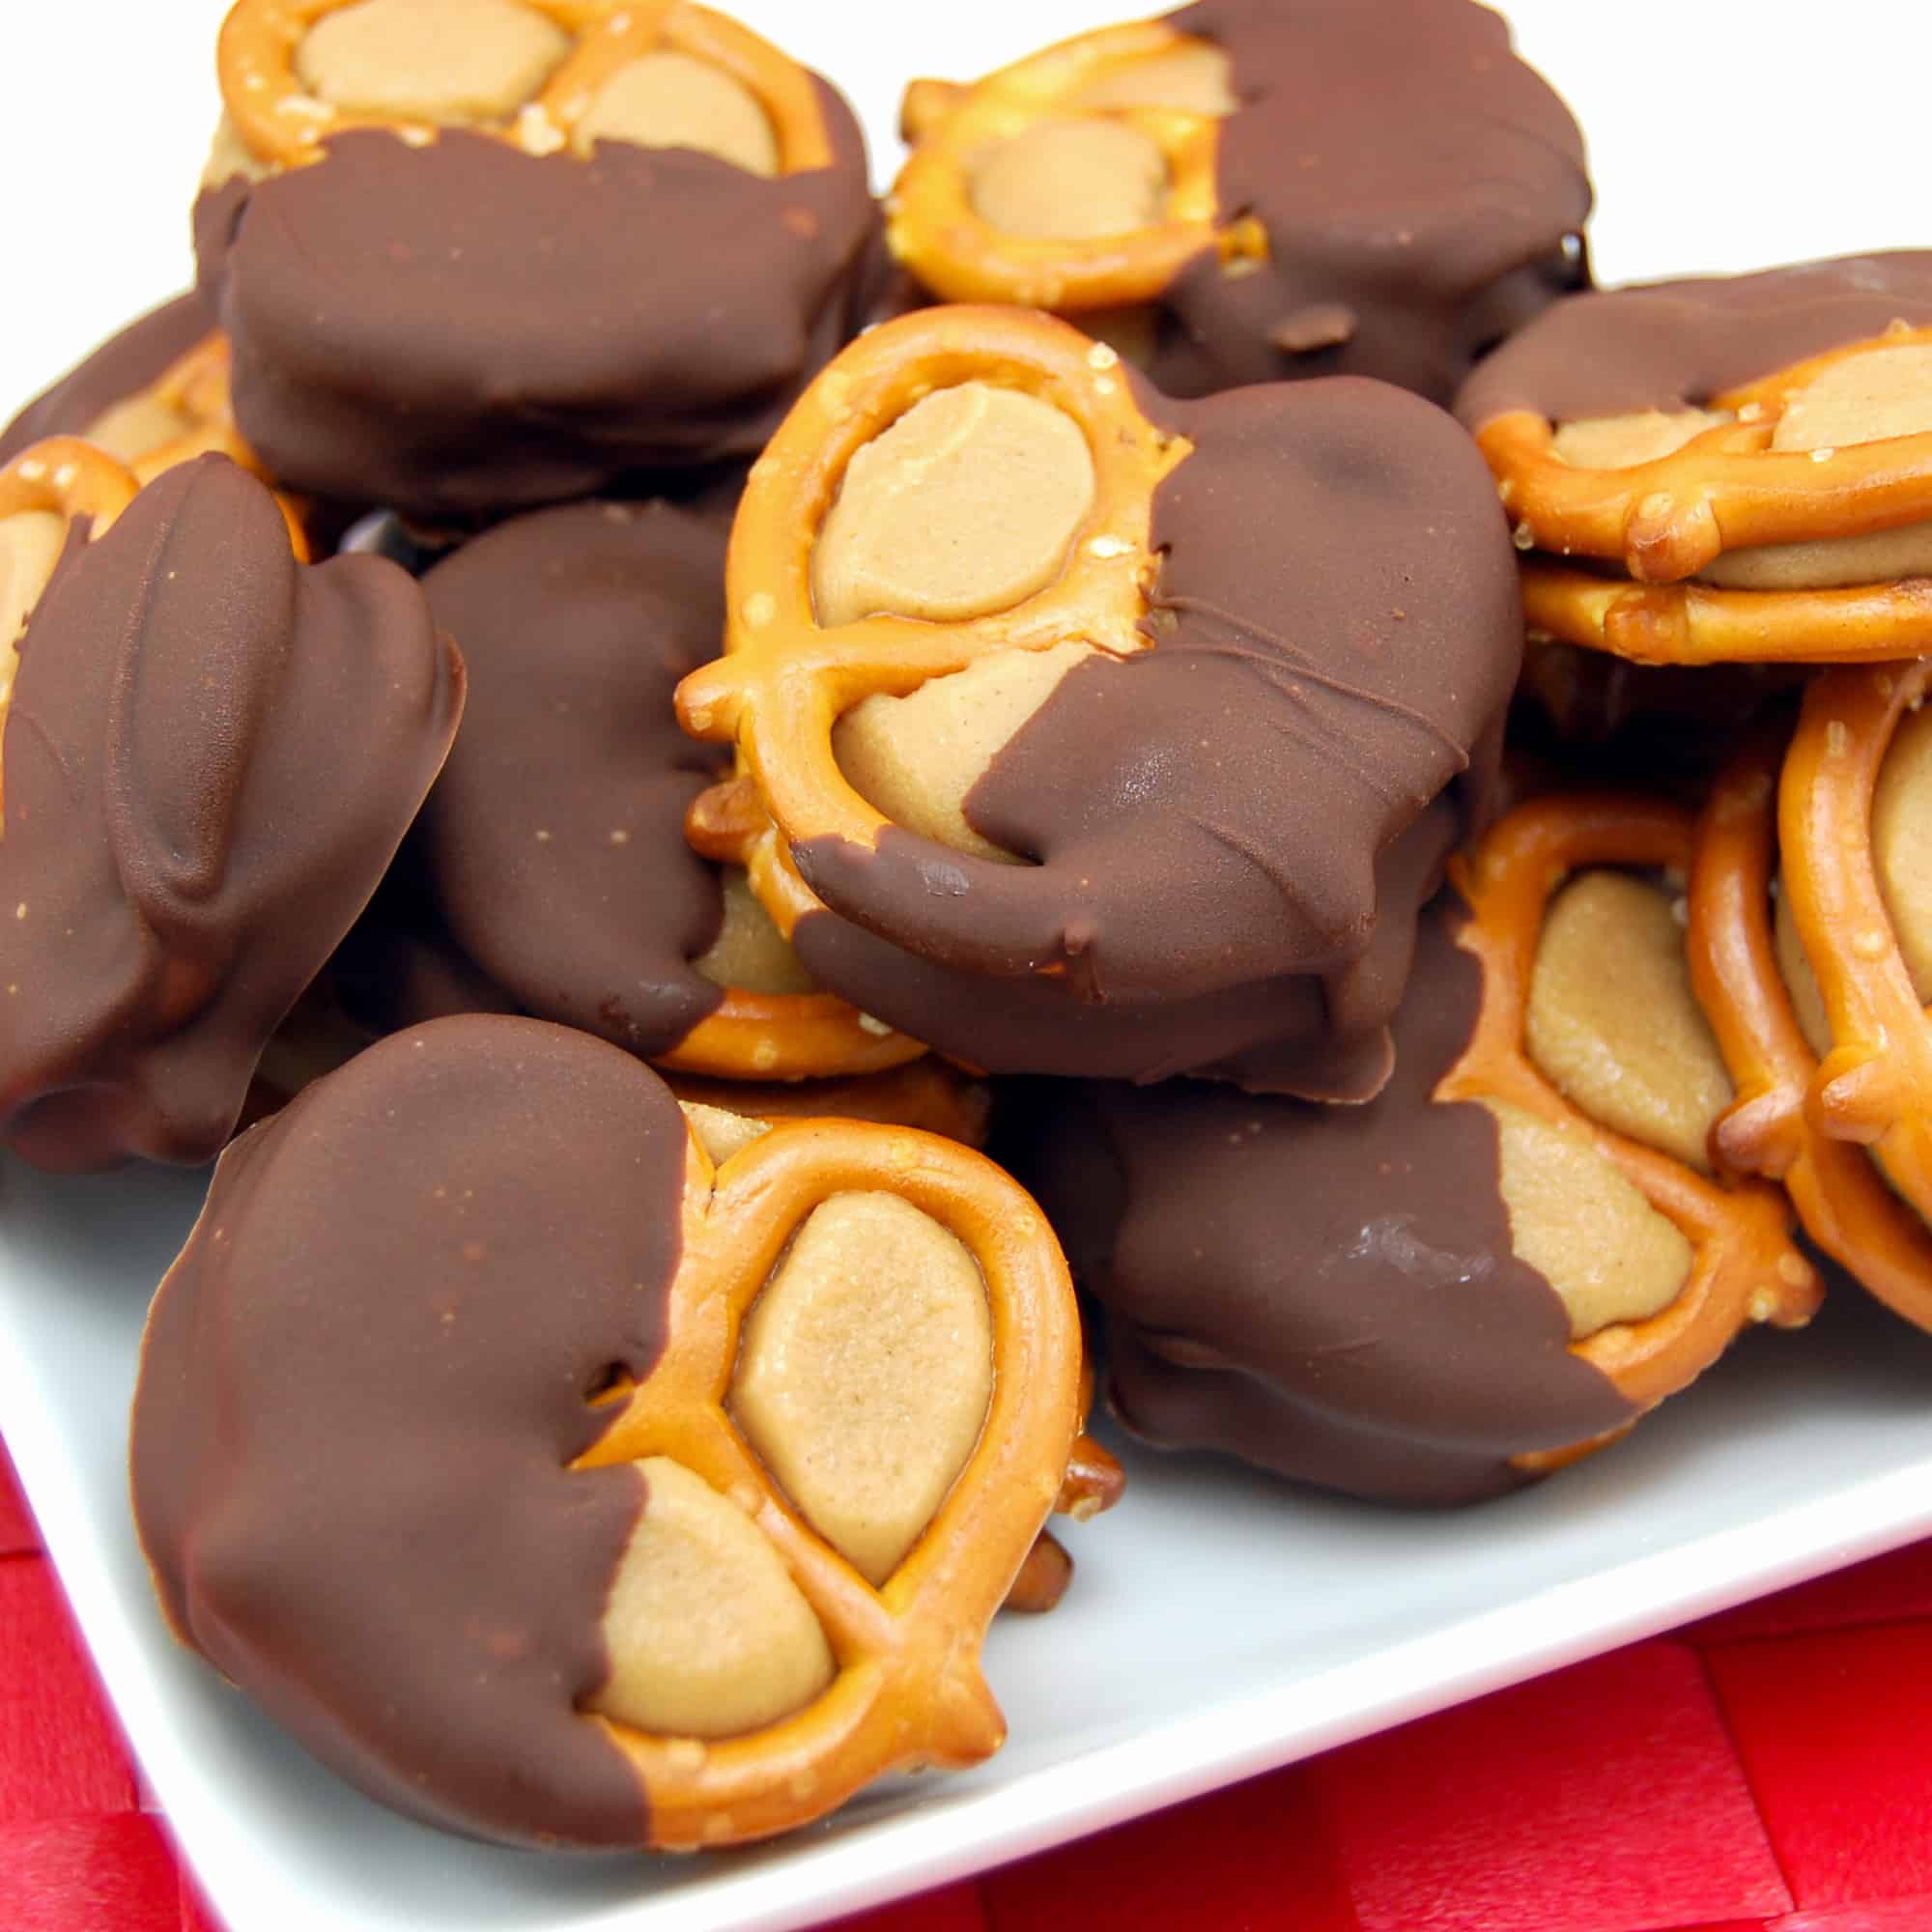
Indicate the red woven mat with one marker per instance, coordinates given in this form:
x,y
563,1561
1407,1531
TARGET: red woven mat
x,y
1766,1771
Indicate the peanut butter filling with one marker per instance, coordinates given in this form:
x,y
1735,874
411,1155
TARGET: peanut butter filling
x,y
1607,1252
30,546
864,1373
136,425
917,758
967,504
1614,1023
669,99
1794,966
1901,833
749,953
448,61
1196,78
1070,181
722,1133
1621,442
707,1633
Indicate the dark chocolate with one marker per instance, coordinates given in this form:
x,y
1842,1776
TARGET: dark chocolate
x,y
121,367
1337,630
1328,1292
464,329
1421,188
553,841
361,1387
211,757
1674,345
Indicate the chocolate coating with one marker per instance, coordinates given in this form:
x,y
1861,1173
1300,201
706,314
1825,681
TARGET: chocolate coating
x,y
126,363
553,841
361,1389
1417,182
1337,632
464,329
1338,1282
1674,345
211,757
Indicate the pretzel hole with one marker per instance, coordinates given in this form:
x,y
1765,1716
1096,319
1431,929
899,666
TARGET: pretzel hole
x,y
917,758
1621,442
1613,1023
864,1373
720,1133
967,504
30,546
1196,78
450,61
669,99
1573,1217
1070,181
749,953
708,1636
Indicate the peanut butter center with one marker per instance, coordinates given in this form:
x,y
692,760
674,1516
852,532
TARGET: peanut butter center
x,y
1573,1217
707,1633
749,953
137,425
450,61
917,758
1621,442
1614,1023
865,1372
669,99
967,504
720,1133
30,546
1070,181
1801,981
1901,834
1196,78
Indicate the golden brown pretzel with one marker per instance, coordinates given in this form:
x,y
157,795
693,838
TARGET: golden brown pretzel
x,y
1723,489
935,230
908,1691
1843,1203
1698,624
284,127
1875,1086
784,681
787,1037
1744,1268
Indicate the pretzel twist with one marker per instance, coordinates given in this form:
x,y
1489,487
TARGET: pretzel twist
x,y
71,479
934,229
1744,1268
284,126
1844,1204
785,680
787,1037
909,1689
1875,1086
1725,490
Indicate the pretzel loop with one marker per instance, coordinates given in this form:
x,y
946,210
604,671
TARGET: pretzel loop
x,y
1723,489
909,1689
935,230
282,124
1744,1268
1844,1204
785,680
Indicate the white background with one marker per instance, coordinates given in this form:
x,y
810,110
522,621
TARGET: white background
x,y
1724,133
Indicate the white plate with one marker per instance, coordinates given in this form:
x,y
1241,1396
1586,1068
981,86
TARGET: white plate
x,y
1220,1624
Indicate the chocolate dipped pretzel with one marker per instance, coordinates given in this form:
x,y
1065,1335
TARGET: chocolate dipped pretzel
x,y
1756,982
1852,802
1474,1278
1734,469
681,1559
211,753
1243,191
475,255
552,845
1147,725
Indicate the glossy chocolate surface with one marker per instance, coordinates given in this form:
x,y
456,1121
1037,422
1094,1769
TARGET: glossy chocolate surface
x,y
361,1389
554,842
463,329
211,758
1329,1293
1674,345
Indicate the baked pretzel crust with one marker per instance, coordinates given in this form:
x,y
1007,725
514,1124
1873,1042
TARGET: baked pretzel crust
x,y
909,1689
1844,1204
787,1037
1875,1086
1744,1268
934,230
1725,490
285,127
785,680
